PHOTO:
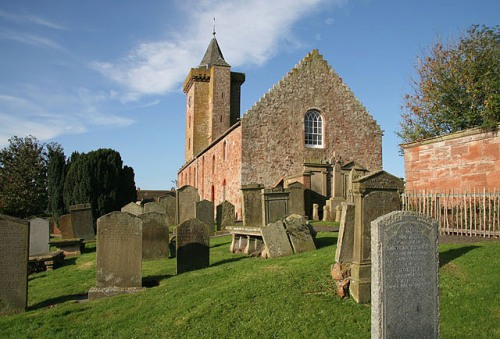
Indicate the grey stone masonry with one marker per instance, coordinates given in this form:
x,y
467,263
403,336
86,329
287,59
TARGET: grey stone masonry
x,y
405,276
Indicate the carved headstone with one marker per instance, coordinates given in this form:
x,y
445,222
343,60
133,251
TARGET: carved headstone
x,y
154,206
154,236
14,246
82,221
252,205
225,215
119,255
205,213
299,233
274,205
66,227
132,208
39,236
168,201
276,240
192,246
186,199
405,276
296,198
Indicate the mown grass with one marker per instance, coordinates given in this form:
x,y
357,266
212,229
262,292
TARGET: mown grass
x,y
243,297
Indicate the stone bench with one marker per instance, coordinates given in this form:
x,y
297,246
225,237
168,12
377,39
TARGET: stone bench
x,y
49,260
70,247
246,240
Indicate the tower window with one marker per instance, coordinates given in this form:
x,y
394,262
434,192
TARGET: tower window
x,y
313,127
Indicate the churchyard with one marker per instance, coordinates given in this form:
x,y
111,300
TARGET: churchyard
x,y
243,296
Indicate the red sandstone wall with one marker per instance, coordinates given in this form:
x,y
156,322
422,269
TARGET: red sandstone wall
x,y
463,160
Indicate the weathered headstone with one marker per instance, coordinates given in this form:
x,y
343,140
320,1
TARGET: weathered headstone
x,y
345,241
66,227
251,205
405,276
14,246
326,213
119,255
299,234
168,201
82,221
205,213
155,236
186,199
374,195
154,206
276,240
274,205
225,215
132,208
192,246
39,236
296,198
315,212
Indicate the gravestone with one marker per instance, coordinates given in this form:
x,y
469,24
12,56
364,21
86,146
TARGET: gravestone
x,y
405,276
66,227
192,246
14,247
315,212
296,198
168,201
274,205
276,240
345,241
82,221
374,195
338,213
186,199
155,236
154,206
132,208
225,215
299,234
252,205
39,236
119,255
326,213
205,213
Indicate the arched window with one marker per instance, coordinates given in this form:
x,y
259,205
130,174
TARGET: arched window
x,y
313,127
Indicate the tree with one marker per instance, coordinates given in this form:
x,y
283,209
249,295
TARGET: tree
x,y
99,177
458,87
23,177
56,169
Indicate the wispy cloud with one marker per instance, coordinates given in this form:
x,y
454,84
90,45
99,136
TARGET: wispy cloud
x,y
31,39
30,19
249,32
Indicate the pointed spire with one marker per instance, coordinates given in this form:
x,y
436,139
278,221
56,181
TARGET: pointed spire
x,y
213,55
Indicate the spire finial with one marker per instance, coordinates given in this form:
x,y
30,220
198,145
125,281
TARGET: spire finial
x,y
213,33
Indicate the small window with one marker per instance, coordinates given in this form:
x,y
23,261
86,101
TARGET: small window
x,y
313,126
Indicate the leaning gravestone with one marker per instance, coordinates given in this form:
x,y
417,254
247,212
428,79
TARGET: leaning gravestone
x,y
276,240
192,246
345,242
154,236
405,276
299,234
14,244
186,199
119,255
205,213
132,208
225,215
39,236
82,221
66,227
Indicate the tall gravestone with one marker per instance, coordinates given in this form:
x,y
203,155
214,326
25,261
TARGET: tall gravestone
x,y
296,198
345,241
225,215
39,236
405,276
192,246
251,205
155,236
168,202
82,221
66,227
205,213
374,195
132,208
119,255
274,205
186,199
14,246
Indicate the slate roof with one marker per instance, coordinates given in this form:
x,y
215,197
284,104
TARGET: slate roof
x,y
213,55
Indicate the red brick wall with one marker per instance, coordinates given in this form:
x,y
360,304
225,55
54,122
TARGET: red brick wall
x,y
468,159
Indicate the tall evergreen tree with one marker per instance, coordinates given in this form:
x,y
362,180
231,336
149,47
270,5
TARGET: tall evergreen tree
x,y
55,179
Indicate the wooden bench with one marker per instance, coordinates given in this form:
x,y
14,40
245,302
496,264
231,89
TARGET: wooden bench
x,y
246,240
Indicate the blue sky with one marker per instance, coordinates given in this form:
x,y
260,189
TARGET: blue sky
x,y
108,74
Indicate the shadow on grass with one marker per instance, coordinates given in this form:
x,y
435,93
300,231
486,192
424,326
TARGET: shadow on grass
x,y
154,280
59,300
223,244
446,257
226,261
325,241
69,261
89,249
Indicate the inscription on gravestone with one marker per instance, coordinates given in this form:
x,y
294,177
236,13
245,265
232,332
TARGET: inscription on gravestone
x,y
405,276
154,236
225,215
205,213
14,242
192,246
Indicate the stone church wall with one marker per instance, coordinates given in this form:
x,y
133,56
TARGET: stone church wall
x,y
273,129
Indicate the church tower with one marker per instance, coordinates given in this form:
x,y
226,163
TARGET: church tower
x,y
212,100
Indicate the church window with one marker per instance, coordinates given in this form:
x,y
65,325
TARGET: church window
x,y
313,125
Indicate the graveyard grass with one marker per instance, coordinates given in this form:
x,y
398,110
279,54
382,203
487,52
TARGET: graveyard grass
x,y
238,296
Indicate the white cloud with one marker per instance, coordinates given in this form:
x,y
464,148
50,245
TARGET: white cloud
x,y
30,39
30,19
249,32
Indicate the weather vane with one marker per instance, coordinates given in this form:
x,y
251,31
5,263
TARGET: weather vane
x,y
213,33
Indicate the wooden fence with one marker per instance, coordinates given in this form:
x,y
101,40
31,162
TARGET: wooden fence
x,y
471,213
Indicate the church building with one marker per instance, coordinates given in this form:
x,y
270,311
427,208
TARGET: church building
x,y
308,128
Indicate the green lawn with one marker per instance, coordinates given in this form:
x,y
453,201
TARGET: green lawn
x,y
243,297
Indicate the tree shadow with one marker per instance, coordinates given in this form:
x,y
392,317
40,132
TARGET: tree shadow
x,y
59,300
325,241
451,254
